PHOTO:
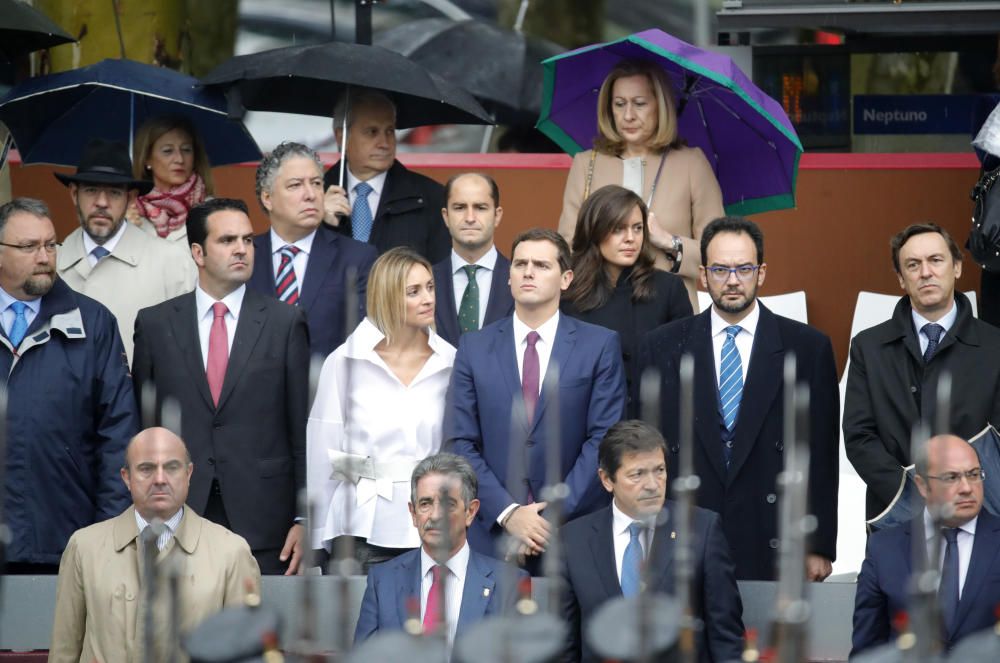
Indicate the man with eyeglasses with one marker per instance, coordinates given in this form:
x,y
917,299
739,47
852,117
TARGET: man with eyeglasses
x,y
892,381
70,407
951,482
108,259
739,349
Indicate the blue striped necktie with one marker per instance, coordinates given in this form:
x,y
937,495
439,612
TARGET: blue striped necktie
x,y
286,285
730,378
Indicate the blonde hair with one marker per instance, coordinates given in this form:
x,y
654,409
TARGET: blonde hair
x,y
152,130
386,299
610,141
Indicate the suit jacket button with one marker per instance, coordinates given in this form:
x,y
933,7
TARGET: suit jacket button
x,y
774,544
771,498
913,388
529,443
779,446
216,425
675,449
211,461
729,444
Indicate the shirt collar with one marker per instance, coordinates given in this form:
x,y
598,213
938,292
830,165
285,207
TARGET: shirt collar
x,y
458,564
233,301
969,527
7,299
487,261
547,330
361,344
172,523
620,521
377,183
946,321
748,323
89,244
305,244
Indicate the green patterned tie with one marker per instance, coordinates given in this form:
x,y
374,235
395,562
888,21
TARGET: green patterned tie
x,y
468,312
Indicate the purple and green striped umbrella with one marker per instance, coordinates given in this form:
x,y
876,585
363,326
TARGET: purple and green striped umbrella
x,y
745,134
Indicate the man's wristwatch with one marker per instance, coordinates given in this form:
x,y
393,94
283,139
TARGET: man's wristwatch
x,y
677,250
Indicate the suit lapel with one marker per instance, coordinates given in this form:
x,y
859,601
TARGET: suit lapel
x,y
498,286
185,327
602,549
764,379
447,315
321,260
562,352
480,585
985,545
263,267
506,358
661,556
408,587
253,315
707,421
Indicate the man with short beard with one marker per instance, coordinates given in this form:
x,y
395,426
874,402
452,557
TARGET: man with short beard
x,y
739,349
108,259
70,407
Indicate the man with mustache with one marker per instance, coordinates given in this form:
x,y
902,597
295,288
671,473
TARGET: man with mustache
x,y
968,553
111,260
739,349
895,366
603,552
237,363
99,613
70,407
455,586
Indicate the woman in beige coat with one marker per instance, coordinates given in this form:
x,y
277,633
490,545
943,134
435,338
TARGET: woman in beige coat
x,y
638,148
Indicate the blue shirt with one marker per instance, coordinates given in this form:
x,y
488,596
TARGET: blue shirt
x,y
7,313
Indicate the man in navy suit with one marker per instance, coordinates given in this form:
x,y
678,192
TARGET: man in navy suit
x,y
456,586
601,556
505,379
472,289
739,349
969,556
301,260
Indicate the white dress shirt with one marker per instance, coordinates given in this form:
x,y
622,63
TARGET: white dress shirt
x,y
743,340
966,537
484,279
171,525
89,244
946,321
377,184
454,586
299,262
619,529
366,433
203,308
7,314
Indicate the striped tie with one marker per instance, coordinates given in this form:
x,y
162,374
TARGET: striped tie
x,y
285,283
730,378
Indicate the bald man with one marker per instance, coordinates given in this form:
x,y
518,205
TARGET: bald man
x,y
952,486
98,597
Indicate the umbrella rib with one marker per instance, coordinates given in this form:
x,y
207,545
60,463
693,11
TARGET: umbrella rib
x,y
115,87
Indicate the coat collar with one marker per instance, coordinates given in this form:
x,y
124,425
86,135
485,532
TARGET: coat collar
x,y
900,327
125,530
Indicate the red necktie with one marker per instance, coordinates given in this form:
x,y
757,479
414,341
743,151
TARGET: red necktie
x,y
218,351
285,284
529,377
433,614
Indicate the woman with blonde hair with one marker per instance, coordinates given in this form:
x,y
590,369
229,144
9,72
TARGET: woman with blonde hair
x,y
168,151
639,148
378,411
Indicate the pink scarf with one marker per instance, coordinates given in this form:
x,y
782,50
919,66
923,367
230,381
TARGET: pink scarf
x,y
168,210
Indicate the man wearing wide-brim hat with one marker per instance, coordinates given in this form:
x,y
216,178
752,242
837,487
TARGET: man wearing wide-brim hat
x,y
108,259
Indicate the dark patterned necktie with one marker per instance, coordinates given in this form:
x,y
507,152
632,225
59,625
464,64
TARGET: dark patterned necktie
x,y
933,332
285,283
468,312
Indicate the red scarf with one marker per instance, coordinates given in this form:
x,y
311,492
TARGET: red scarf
x,y
168,210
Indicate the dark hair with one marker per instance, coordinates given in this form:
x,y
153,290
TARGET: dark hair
x,y
546,235
450,465
31,206
732,224
903,236
630,436
197,219
494,189
606,210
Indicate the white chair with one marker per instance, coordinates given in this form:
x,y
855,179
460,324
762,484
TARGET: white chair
x,y
790,304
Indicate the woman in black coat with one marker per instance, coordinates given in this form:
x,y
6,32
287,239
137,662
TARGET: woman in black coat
x,y
615,284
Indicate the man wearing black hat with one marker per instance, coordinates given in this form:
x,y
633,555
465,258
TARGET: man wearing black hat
x,y
110,260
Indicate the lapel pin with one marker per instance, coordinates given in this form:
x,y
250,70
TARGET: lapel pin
x,y
673,535
486,592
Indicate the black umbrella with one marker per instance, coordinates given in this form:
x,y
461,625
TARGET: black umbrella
x,y
309,80
501,68
24,29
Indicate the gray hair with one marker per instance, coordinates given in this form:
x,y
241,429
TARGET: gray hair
x,y
358,97
449,465
269,166
31,206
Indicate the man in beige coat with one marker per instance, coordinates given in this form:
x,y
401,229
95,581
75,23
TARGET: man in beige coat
x,y
108,259
99,596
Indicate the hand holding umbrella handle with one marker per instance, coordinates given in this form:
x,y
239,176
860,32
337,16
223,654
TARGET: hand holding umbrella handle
x,y
335,205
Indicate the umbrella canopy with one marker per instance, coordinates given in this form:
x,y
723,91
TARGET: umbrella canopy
x,y
501,68
310,79
53,117
24,29
745,134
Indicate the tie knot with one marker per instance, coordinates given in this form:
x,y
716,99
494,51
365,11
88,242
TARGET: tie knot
x,y
99,252
533,338
437,571
18,307
733,330
950,534
634,530
470,271
363,188
289,250
219,310
933,331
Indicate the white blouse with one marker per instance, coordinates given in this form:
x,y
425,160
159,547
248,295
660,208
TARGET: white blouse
x,y
366,433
